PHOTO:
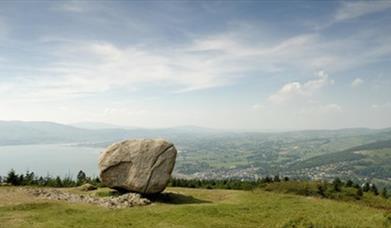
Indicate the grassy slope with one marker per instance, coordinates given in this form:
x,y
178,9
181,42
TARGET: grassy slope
x,y
346,155
346,194
193,208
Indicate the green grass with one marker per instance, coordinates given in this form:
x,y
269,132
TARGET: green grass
x,y
347,194
193,208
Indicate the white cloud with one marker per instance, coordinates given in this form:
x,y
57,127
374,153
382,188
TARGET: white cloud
x,y
87,67
257,106
355,9
287,92
381,106
330,108
136,55
71,6
357,82
294,90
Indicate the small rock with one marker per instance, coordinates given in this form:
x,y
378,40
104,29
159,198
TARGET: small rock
x,y
87,187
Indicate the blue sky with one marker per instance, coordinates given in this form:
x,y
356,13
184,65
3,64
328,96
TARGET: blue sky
x,y
219,64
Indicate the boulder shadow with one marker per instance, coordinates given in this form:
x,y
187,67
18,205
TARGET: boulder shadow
x,y
174,198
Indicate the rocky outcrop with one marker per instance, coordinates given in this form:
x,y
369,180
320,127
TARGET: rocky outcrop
x,y
142,166
122,201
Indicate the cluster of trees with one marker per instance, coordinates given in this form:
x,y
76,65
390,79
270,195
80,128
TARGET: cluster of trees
x,y
30,179
323,189
225,183
338,185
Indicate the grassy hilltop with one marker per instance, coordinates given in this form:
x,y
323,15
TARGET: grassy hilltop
x,y
186,207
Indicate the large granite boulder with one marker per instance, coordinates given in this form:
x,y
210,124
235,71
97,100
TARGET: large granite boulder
x,y
143,166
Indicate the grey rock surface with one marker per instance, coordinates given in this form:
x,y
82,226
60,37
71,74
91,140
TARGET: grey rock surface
x,y
122,201
87,187
142,166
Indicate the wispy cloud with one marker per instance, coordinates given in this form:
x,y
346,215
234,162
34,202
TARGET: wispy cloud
x,y
357,82
257,107
382,106
89,55
90,66
71,6
84,67
354,9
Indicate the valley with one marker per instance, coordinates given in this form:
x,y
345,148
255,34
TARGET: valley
x,y
362,155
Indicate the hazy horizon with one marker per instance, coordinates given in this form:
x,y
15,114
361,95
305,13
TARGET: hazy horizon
x,y
103,125
232,65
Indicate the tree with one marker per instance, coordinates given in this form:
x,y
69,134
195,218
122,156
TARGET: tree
x,y
81,177
58,182
366,187
359,193
384,193
286,178
321,190
12,178
349,183
29,178
374,189
41,181
96,181
337,184
21,179
277,178
68,182
268,179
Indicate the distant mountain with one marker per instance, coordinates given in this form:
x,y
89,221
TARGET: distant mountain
x,y
96,125
344,132
25,132
39,132
369,161
384,144
347,155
